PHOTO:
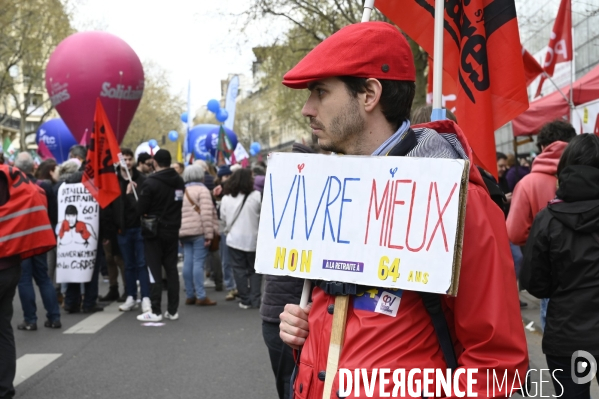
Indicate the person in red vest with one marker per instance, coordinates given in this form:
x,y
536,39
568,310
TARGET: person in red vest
x,y
25,231
360,85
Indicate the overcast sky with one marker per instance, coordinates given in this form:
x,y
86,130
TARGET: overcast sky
x,y
193,40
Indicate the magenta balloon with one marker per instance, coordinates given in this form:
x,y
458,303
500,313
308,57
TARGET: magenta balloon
x,y
88,65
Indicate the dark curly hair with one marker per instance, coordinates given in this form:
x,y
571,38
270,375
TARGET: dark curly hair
x,y
558,130
241,181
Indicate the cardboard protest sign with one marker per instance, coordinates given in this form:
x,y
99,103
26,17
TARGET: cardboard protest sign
x,y
392,222
77,234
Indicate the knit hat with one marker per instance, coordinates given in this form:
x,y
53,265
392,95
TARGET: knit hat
x,y
163,157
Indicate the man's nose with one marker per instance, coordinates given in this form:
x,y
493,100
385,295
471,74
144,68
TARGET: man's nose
x,y
308,109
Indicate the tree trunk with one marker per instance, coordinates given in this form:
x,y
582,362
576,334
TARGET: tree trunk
x,y
22,129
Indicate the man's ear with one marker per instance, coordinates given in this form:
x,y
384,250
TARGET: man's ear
x,y
372,96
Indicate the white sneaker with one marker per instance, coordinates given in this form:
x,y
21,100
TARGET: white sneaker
x,y
242,306
128,305
175,316
146,305
149,316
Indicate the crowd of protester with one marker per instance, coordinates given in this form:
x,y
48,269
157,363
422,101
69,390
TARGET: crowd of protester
x,y
552,208
196,206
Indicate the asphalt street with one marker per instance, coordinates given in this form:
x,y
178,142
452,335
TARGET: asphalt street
x,y
210,352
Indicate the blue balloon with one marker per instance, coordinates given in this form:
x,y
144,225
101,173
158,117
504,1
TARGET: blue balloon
x,y
253,152
256,146
152,143
196,141
222,115
213,106
212,140
173,135
57,137
184,117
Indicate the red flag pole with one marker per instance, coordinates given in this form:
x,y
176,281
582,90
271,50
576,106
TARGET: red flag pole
x,y
438,111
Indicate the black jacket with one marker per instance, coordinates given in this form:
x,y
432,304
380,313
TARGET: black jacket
x,y
50,198
561,262
161,195
279,291
125,209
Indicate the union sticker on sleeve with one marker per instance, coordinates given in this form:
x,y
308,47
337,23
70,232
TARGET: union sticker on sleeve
x,y
388,304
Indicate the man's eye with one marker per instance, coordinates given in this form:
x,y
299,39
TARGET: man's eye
x,y
320,92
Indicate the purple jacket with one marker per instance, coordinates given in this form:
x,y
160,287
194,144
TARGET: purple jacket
x,y
515,174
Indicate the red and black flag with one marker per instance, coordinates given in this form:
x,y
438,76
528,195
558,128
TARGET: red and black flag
x,y
481,53
99,176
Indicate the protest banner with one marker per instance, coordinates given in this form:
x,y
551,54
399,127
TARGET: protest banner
x,y
77,234
393,222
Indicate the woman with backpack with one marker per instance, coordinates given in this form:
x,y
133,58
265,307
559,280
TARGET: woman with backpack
x,y
561,262
240,213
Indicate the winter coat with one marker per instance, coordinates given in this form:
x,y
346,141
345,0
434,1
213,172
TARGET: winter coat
x,y
278,292
15,260
484,318
514,175
162,195
561,262
124,208
192,223
533,192
242,229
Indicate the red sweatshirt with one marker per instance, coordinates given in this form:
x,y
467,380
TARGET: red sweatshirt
x,y
533,192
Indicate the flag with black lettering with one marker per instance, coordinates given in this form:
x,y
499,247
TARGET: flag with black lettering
x,y
99,176
482,53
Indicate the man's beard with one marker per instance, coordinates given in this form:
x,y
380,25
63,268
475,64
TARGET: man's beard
x,y
345,130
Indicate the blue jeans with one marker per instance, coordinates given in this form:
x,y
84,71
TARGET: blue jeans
x,y
131,244
544,304
225,258
72,299
194,256
36,268
517,256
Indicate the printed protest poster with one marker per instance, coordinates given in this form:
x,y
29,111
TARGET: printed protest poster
x,y
77,234
393,222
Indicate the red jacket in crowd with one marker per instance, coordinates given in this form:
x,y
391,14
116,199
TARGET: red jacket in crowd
x,y
484,318
533,192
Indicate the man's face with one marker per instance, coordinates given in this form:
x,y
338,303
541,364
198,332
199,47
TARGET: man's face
x,y
129,161
176,167
335,116
501,167
147,166
72,219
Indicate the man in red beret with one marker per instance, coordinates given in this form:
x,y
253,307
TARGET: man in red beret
x,y
361,85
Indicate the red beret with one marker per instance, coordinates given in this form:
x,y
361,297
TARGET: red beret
x,y
365,50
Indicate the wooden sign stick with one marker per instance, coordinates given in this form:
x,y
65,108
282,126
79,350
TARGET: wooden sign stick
x,y
336,344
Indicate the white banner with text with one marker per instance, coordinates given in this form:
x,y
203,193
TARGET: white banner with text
x,y
393,222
